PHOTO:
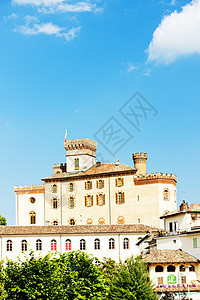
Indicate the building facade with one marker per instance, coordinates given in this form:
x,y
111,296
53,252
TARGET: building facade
x,y
86,192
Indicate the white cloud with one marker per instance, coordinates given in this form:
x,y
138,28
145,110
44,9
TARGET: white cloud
x,y
51,6
49,29
11,16
177,35
130,67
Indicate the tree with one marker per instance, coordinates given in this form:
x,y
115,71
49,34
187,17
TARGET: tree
x,y
70,276
131,281
3,221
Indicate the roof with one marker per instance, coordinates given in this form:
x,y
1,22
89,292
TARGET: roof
x,y
75,229
95,170
169,256
192,208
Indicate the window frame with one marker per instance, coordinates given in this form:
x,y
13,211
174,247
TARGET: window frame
x,y
54,188
82,245
72,221
53,245
68,245
71,200
32,216
38,245
55,203
111,244
71,187
126,243
24,246
9,246
97,244
76,164
55,223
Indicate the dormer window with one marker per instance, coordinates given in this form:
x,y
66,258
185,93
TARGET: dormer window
x,y
76,164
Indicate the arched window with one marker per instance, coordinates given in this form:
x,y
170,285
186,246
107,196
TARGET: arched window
x,y
101,221
191,268
72,222
71,202
100,184
53,245
159,268
97,244
82,244
166,194
71,187
88,185
55,223
182,268
32,200
88,200
120,220
32,215
119,182
126,243
171,268
9,245
101,199
54,188
38,245
111,243
68,245
76,164
24,245
119,198
55,203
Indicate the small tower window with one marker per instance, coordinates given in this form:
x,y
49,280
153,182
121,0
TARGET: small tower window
x,y
166,194
55,203
71,187
32,200
32,215
72,222
54,188
76,164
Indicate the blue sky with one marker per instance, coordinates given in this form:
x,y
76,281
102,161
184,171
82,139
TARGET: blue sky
x,y
75,64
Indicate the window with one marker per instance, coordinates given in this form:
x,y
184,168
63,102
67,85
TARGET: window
x,y
138,221
101,221
71,202
166,194
119,182
88,185
182,268
53,245
97,244
100,199
120,220
138,198
68,245
183,279
89,221
24,245
55,223
71,222
171,268
32,217
55,203
126,243
38,245
120,199
88,200
82,244
111,243
100,184
158,269
174,241
54,188
160,280
32,200
71,187
191,268
175,226
194,242
76,164
9,245
170,226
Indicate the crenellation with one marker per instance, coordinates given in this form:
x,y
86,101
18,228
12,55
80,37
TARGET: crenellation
x,y
28,187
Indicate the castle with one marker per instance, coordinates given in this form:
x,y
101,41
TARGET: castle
x,y
84,191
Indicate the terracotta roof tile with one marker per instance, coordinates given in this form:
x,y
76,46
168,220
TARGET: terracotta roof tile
x,y
76,229
169,256
193,208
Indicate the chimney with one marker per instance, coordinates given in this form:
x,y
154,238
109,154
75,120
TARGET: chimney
x,y
117,162
183,205
140,160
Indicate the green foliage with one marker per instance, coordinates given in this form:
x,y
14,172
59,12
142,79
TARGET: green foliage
x,y
3,221
130,280
68,276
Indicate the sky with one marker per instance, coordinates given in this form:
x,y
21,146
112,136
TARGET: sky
x,y
124,73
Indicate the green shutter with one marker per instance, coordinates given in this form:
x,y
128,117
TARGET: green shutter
x,y
195,243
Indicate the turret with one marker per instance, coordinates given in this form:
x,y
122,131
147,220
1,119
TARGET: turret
x,y
140,160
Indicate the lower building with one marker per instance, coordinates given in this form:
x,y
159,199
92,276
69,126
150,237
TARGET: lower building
x,y
117,242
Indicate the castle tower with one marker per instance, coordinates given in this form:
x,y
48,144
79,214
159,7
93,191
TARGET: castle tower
x,y
80,154
140,161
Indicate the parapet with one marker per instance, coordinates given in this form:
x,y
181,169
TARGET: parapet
x,y
26,189
140,155
83,146
155,178
59,168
